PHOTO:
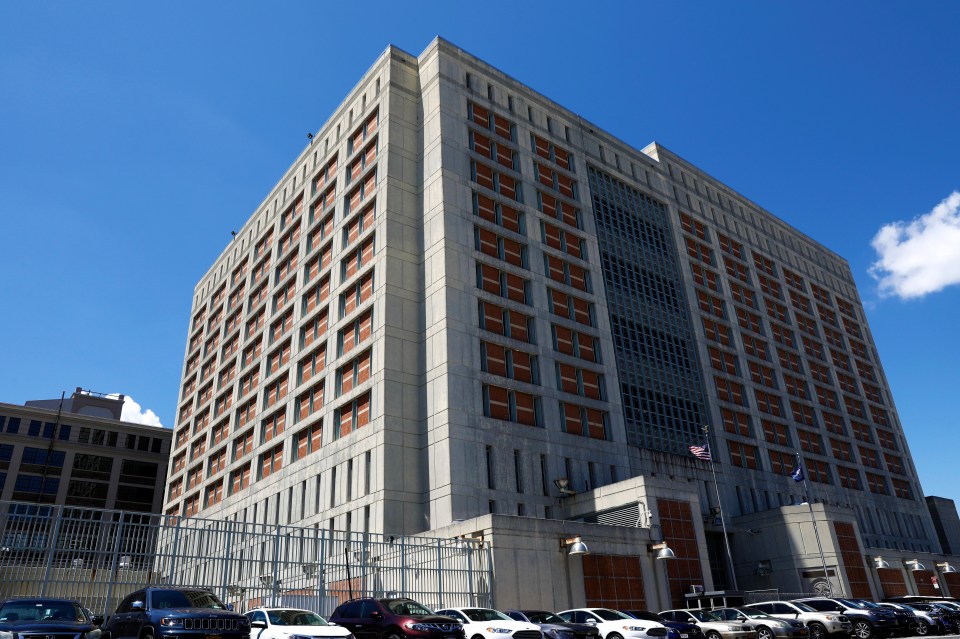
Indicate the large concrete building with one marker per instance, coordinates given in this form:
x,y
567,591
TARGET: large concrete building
x,y
465,310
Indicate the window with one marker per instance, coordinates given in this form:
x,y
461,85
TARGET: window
x,y
776,433
506,322
353,415
769,403
499,247
743,455
724,362
307,440
503,215
271,461
510,405
585,383
736,422
353,373
567,273
729,391
502,283
309,402
588,422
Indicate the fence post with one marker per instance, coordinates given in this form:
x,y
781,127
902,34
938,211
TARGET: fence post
x,y
113,568
175,552
439,573
321,570
276,564
403,565
488,549
52,545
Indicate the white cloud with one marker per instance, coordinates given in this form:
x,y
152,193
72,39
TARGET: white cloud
x,y
922,256
133,412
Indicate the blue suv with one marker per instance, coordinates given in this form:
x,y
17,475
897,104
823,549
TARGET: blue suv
x,y
47,618
175,613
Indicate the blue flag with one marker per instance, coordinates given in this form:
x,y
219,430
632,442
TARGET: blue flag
x,y
797,474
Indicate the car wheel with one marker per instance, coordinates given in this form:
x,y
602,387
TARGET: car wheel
x,y
818,631
394,634
923,628
862,630
614,635
147,634
713,634
477,637
764,633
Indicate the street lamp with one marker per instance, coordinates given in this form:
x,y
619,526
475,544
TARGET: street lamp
x,y
575,546
880,562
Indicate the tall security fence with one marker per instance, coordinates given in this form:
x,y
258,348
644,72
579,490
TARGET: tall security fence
x,y
99,556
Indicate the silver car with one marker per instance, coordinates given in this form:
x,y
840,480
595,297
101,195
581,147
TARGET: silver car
x,y
767,626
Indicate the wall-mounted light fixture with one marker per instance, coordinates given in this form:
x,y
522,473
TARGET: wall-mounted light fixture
x,y
234,590
880,562
575,546
563,485
309,569
945,567
915,565
663,550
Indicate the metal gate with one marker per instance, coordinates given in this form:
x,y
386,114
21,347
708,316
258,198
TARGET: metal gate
x,y
99,556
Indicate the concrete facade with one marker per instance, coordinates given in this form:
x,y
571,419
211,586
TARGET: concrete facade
x,y
524,322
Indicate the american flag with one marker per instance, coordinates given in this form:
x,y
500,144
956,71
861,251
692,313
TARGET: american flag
x,y
701,452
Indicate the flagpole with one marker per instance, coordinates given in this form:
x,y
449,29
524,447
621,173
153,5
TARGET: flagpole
x,y
816,531
723,525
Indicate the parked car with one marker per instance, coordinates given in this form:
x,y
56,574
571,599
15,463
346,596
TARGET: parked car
x,y
713,627
869,620
949,613
43,617
921,622
394,618
767,626
614,624
175,613
553,626
487,623
820,624
675,629
292,623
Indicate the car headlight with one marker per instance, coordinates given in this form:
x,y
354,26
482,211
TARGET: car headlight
x,y
170,622
499,631
93,634
7,634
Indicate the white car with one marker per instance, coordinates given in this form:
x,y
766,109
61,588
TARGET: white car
x,y
292,623
614,624
486,623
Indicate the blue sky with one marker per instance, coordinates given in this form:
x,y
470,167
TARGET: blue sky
x,y
135,136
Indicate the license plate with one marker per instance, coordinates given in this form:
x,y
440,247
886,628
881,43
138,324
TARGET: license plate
x,y
214,637
684,636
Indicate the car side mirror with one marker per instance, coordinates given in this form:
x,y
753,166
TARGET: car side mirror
x,y
136,605
376,614
97,620
741,617
230,607
592,622
258,624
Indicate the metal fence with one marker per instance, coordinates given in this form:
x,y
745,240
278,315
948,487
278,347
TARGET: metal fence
x,y
99,556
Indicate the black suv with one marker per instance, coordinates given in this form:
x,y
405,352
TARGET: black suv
x,y
394,618
175,613
50,618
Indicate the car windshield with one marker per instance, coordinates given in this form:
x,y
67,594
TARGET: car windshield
x,y
802,607
646,615
292,617
854,603
484,614
166,599
752,613
540,616
27,610
609,615
407,607
703,615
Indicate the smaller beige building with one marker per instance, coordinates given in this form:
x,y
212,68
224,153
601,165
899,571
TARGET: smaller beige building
x,y
80,453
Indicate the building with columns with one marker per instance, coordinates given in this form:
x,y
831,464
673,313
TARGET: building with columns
x,y
466,311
